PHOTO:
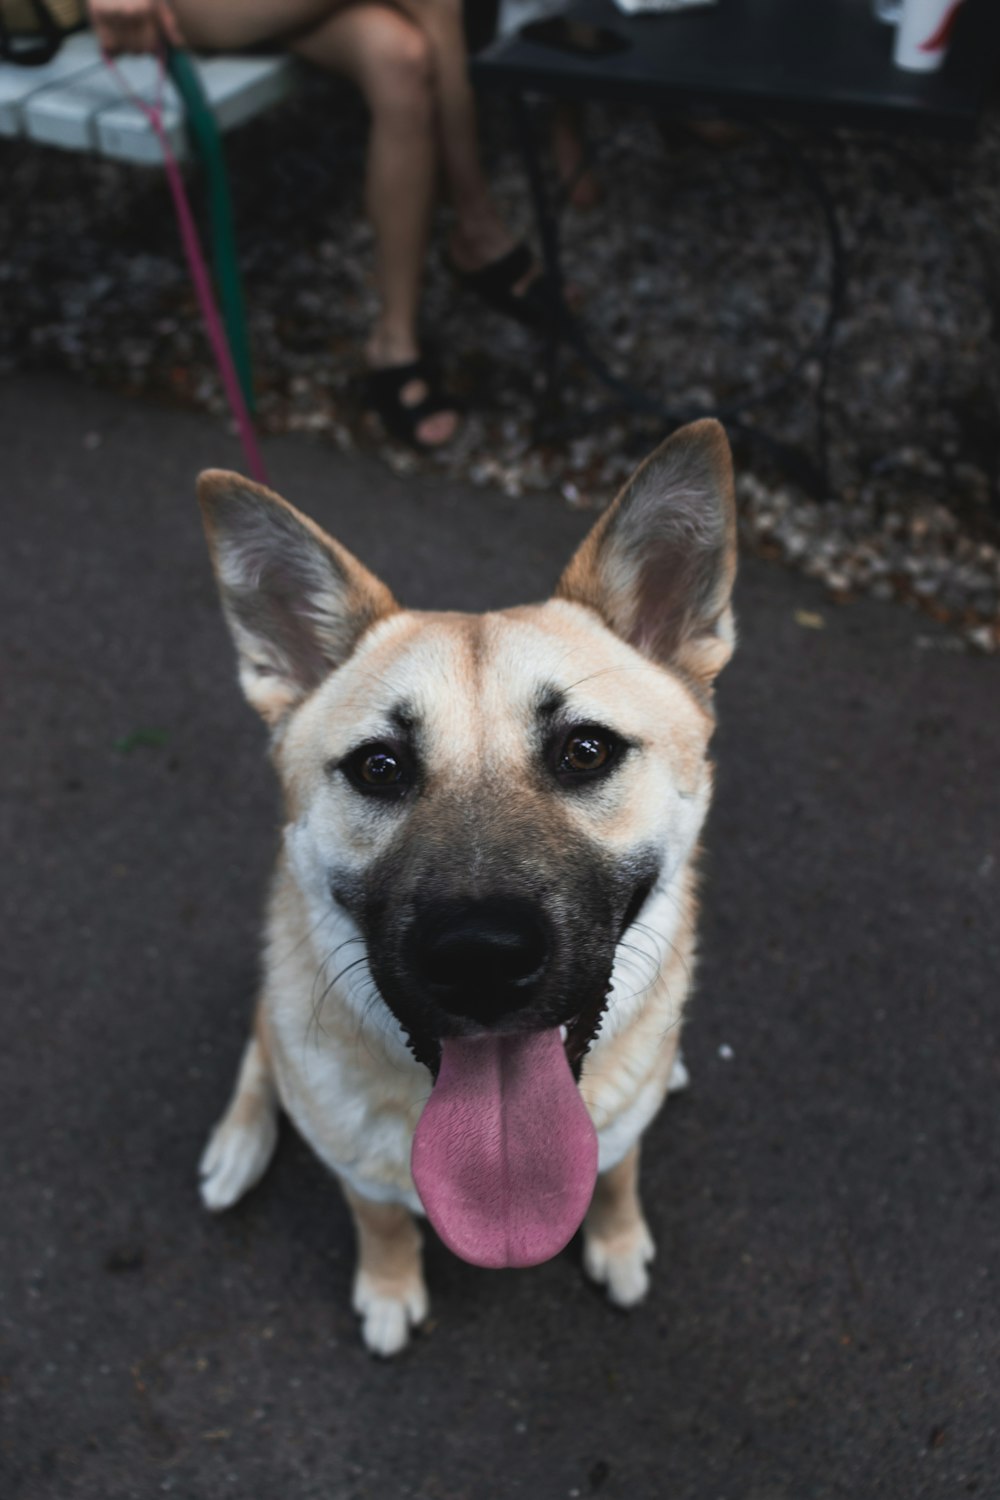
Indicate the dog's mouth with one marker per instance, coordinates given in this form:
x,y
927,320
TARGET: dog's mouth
x,y
580,1034
577,1035
505,1153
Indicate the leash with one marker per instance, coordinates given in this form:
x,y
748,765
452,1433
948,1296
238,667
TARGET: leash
x,y
197,266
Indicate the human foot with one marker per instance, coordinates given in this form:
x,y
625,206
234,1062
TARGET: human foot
x,y
408,396
502,271
413,404
480,241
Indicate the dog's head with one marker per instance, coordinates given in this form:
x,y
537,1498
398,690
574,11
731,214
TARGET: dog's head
x,y
491,799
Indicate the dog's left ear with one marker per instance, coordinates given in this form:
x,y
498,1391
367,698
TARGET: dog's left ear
x,y
659,565
296,601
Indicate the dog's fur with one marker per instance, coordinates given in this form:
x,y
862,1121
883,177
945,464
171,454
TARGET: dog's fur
x,y
345,1039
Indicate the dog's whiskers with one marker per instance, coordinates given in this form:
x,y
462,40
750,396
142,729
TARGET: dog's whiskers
x,y
317,1005
605,672
363,1031
285,958
676,952
649,960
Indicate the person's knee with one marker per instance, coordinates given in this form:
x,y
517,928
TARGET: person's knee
x,y
443,22
399,68
446,12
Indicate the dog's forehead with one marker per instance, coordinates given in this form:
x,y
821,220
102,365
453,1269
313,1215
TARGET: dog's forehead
x,y
455,675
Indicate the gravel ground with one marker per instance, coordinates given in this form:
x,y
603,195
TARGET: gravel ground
x,y
701,273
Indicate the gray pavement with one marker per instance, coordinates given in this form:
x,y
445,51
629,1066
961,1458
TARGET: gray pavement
x,y
825,1318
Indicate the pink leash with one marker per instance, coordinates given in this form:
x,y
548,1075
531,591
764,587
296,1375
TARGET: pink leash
x,y
199,271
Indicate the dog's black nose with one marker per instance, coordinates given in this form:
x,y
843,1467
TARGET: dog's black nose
x,y
480,959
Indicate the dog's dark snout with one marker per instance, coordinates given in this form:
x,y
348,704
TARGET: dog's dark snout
x,y
480,958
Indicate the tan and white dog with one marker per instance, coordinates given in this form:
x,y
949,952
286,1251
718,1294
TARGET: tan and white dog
x,y
481,930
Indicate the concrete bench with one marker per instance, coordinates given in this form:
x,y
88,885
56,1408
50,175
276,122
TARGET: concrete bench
x,y
74,101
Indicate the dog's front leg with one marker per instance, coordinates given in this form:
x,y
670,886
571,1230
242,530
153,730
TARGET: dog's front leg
x,y
617,1244
389,1292
242,1143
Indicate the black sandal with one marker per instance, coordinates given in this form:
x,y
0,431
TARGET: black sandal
x,y
494,283
384,395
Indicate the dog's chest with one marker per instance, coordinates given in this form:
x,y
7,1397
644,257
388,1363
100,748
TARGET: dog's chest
x,y
357,1110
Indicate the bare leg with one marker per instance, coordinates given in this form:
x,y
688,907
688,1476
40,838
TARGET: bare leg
x,y
389,1292
242,1144
617,1244
234,24
388,57
480,234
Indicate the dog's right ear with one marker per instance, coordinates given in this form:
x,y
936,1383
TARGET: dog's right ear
x,y
296,601
658,566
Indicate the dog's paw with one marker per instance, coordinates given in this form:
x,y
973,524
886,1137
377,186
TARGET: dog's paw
x,y
236,1158
387,1317
680,1078
620,1264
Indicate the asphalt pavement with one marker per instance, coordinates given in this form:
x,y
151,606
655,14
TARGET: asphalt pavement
x,y
824,1319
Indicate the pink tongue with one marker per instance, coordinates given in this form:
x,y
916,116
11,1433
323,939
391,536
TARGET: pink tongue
x,y
505,1154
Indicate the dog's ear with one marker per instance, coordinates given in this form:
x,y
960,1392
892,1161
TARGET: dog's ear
x,y
296,601
658,567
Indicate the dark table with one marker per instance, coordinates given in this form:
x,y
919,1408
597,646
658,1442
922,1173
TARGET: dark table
x,y
823,62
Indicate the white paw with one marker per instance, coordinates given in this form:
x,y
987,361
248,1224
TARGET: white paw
x,y
620,1267
679,1076
386,1319
235,1159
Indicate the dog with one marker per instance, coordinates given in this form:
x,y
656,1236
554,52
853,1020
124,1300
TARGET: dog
x,y
481,930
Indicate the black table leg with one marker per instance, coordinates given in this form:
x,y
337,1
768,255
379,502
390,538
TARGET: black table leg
x,y
814,180
548,233
564,327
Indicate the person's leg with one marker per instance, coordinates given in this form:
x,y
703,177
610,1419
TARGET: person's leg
x,y
480,234
231,25
389,60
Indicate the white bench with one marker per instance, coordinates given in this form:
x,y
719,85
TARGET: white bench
x,y
75,102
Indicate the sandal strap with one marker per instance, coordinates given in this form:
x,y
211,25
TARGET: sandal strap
x,y
384,388
499,277
536,305
387,382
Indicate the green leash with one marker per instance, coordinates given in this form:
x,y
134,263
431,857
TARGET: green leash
x,y
208,148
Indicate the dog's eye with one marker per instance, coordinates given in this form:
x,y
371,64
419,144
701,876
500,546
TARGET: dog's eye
x,y
381,768
377,769
586,751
